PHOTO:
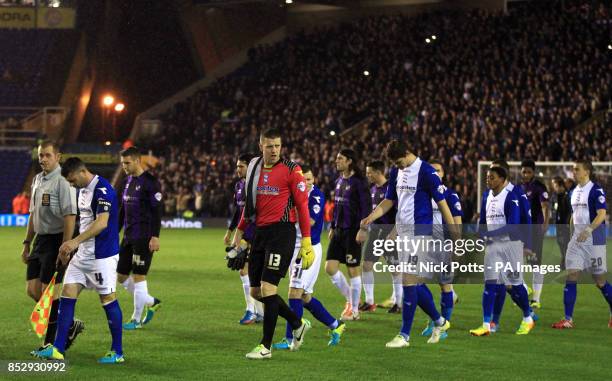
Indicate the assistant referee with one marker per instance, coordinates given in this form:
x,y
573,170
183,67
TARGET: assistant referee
x,y
53,209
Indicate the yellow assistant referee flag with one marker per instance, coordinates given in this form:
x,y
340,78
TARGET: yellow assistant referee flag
x,y
42,309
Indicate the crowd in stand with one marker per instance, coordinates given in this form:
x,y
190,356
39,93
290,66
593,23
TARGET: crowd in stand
x,y
459,86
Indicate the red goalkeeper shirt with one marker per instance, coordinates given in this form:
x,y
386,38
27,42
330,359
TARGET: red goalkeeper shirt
x,y
281,191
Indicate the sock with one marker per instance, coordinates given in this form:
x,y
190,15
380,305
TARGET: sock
x,y
520,297
320,313
270,318
398,291
128,284
259,307
606,291
339,280
538,280
368,286
140,299
286,313
65,315
446,304
355,293
427,304
115,321
246,286
52,327
488,301
297,307
569,299
409,305
498,306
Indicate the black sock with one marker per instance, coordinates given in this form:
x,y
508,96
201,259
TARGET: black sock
x,y
270,319
287,313
52,328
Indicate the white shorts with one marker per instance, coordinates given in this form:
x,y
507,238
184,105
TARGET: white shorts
x,y
502,262
305,279
98,274
414,258
585,256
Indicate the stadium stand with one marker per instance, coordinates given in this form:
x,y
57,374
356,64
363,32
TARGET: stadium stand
x,y
516,85
15,164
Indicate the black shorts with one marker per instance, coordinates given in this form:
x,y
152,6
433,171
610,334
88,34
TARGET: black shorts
x,y
344,248
379,232
134,257
41,262
271,253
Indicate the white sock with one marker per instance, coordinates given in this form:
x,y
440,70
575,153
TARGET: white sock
x,y
487,325
538,280
246,286
398,291
128,284
259,308
140,299
149,300
528,319
355,292
368,286
339,280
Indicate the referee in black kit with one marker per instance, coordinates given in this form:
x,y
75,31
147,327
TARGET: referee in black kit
x,y
53,209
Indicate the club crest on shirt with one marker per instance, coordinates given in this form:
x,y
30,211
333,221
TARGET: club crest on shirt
x,y
158,196
301,186
265,178
441,189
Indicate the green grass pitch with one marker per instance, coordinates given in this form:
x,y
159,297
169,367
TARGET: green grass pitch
x,y
196,334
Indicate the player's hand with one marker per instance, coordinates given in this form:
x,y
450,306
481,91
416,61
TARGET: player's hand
x,y
306,253
227,238
154,244
68,247
362,235
367,221
237,256
330,235
584,235
62,259
25,253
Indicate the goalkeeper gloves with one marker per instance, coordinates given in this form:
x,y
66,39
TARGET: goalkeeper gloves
x,y
237,255
306,253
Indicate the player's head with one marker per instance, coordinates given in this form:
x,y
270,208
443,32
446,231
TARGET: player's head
x,y
496,177
558,184
583,171
308,175
438,167
130,161
75,171
346,160
242,164
500,163
528,170
398,152
49,155
270,145
375,170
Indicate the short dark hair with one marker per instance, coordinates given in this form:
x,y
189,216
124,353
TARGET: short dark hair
x,y
502,163
72,165
377,165
396,149
50,143
528,163
306,168
132,151
501,172
588,165
559,181
246,157
436,162
270,133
